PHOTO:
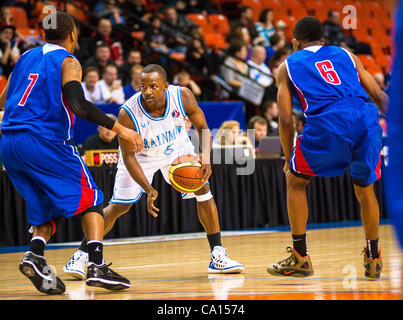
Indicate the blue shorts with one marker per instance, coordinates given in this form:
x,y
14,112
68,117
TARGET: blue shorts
x,y
342,136
49,175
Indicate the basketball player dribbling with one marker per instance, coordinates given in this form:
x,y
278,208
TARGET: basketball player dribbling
x,y
41,99
158,114
342,130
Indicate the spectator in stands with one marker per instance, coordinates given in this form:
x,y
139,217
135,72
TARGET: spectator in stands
x,y
245,20
258,70
9,52
277,59
259,124
156,38
101,58
103,139
7,19
234,68
177,27
333,31
111,86
92,89
108,9
134,57
265,27
380,79
103,34
183,79
270,113
198,55
243,34
134,85
277,43
229,134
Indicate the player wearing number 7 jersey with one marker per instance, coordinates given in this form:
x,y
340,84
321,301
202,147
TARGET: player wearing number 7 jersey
x,y
342,130
41,99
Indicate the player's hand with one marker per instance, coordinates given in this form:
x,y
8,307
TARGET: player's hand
x,y
151,196
205,170
134,138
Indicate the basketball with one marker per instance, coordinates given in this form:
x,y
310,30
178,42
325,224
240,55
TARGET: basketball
x,y
183,174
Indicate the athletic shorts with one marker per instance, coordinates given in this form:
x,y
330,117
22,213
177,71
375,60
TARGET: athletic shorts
x,y
50,176
128,191
344,136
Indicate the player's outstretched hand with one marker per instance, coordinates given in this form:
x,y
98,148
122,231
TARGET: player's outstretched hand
x,y
151,196
133,137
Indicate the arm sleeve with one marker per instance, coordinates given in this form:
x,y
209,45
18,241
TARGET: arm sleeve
x,y
84,109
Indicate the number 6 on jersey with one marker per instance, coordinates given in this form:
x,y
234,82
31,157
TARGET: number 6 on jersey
x,y
33,77
327,72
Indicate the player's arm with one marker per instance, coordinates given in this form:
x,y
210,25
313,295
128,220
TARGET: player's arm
x,y
286,123
73,91
371,86
3,95
133,167
197,118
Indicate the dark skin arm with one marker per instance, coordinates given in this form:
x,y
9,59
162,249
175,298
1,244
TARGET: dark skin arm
x,y
286,123
196,116
371,86
133,166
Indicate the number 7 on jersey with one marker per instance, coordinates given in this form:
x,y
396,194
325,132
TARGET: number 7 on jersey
x,y
33,77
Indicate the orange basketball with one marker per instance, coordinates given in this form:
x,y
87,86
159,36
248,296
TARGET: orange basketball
x,y
183,174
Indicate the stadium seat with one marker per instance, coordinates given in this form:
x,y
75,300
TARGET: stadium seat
x,y
76,12
293,4
201,20
313,4
215,41
369,63
20,17
28,32
219,23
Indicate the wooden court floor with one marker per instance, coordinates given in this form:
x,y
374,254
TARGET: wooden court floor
x,y
178,270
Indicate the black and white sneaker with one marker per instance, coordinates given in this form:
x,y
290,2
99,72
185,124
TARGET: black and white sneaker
x,y
102,276
34,267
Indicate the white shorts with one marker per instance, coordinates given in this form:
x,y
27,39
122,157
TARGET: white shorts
x,y
128,191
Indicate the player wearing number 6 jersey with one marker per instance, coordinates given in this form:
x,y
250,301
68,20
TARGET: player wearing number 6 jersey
x,y
41,99
158,114
342,131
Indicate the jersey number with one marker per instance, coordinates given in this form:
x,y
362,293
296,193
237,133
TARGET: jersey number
x,y
33,77
327,72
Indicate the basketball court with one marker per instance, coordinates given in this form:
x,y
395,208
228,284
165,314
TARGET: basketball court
x,y
175,267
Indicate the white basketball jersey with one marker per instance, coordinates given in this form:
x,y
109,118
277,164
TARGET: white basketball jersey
x,y
163,136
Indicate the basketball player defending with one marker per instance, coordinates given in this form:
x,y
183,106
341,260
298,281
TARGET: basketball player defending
x,y
158,114
41,99
342,129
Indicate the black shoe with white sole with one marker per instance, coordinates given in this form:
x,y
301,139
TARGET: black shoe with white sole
x,y
102,276
41,275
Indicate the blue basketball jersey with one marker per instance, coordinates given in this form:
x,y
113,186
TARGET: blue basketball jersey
x,y
322,76
34,99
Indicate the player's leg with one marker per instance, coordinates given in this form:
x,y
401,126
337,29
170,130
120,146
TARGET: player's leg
x,y
126,192
299,263
365,170
33,264
208,217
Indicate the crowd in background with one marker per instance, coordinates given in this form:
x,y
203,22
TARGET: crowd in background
x,y
112,58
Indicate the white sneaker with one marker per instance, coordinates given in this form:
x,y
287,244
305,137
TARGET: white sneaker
x,y
220,263
76,265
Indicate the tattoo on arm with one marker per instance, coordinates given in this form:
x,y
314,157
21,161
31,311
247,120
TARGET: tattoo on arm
x,y
74,68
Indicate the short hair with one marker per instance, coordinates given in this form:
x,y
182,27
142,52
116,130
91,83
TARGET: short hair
x,y
101,44
257,119
330,13
235,46
156,68
243,9
274,39
61,29
109,66
136,67
308,29
90,69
